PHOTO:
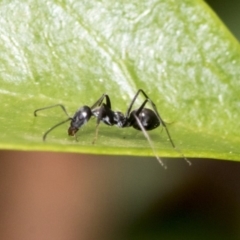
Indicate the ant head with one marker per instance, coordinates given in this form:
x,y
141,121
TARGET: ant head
x,y
79,119
72,131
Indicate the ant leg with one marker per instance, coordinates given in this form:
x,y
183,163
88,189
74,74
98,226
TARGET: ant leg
x,y
99,117
132,102
149,140
49,130
146,134
140,124
100,100
155,110
76,137
101,110
96,134
162,122
158,116
52,106
134,99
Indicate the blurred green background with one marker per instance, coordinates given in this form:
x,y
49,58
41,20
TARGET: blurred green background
x,y
73,196
228,12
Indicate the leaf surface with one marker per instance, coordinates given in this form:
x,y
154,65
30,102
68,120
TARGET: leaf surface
x,y
71,52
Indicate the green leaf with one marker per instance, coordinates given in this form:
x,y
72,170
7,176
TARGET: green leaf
x,y
71,52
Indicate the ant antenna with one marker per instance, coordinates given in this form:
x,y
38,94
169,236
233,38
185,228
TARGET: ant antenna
x,y
49,130
52,106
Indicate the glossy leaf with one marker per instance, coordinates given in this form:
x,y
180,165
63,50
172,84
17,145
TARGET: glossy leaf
x,y
72,52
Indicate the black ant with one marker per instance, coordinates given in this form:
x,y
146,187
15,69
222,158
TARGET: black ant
x,y
143,119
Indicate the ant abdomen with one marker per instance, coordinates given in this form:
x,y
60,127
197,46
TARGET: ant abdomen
x,y
147,117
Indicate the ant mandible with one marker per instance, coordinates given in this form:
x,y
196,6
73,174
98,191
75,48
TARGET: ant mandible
x,y
143,119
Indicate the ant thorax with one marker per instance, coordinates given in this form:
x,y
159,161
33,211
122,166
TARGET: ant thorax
x,y
119,119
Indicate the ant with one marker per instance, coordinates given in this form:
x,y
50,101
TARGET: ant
x,y
142,119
